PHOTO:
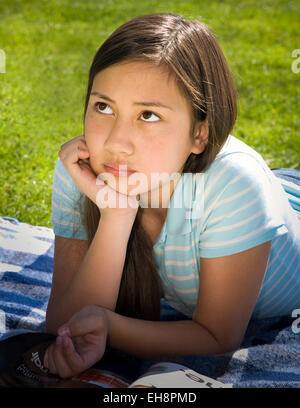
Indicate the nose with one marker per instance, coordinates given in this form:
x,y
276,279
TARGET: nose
x,y
119,139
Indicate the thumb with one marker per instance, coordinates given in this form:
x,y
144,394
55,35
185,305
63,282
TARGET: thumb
x,y
87,320
64,330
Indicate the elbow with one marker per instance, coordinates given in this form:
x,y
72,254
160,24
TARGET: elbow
x,y
225,342
229,345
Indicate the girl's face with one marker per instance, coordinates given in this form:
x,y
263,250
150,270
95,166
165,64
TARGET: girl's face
x,y
137,117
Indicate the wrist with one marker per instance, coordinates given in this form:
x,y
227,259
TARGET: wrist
x,y
108,316
117,219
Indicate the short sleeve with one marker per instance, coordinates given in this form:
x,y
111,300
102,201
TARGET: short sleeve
x,y
243,206
67,205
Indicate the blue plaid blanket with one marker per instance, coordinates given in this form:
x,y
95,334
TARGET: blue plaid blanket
x,y
269,356
26,265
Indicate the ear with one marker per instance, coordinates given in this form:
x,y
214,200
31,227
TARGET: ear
x,y
200,137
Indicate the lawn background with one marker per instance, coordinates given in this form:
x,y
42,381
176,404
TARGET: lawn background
x,y
49,46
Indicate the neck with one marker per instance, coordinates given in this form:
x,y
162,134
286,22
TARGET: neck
x,y
155,203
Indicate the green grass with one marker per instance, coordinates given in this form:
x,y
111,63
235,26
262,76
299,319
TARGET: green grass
x,y
49,46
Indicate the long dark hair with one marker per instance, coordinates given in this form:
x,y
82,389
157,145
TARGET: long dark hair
x,y
190,52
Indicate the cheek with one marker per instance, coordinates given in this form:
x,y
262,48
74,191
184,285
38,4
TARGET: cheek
x,y
90,124
94,135
164,151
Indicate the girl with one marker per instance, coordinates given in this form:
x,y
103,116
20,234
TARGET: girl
x,y
220,243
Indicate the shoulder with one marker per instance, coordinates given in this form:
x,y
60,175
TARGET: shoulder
x,y
242,203
237,155
238,165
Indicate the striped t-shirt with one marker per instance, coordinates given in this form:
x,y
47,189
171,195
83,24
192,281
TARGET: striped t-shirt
x,y
236,204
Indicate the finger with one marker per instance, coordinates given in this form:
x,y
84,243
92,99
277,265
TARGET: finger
x,y
46,358
75,140
72,144
63,369
65,146
51,364
84,164
69,154
72,357
83,151
74,152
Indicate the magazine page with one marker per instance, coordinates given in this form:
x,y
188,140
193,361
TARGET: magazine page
x,y
102,379
22,366
172,375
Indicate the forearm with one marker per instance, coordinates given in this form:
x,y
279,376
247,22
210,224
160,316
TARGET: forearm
x,y
97,281
155,339
100,273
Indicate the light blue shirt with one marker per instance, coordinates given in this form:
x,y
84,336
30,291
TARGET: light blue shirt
x,y
236,204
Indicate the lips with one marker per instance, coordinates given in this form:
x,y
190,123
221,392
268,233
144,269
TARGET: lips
x,y
118,169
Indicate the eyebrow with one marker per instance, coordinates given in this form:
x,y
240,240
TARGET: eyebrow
x,y
150,103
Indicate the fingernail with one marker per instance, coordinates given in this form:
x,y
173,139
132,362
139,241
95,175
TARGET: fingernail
x,y
62,331
65,341
58,340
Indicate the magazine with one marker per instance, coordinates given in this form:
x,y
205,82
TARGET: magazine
x,y
22,366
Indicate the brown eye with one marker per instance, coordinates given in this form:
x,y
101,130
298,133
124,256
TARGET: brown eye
x,y
147,115
101,106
